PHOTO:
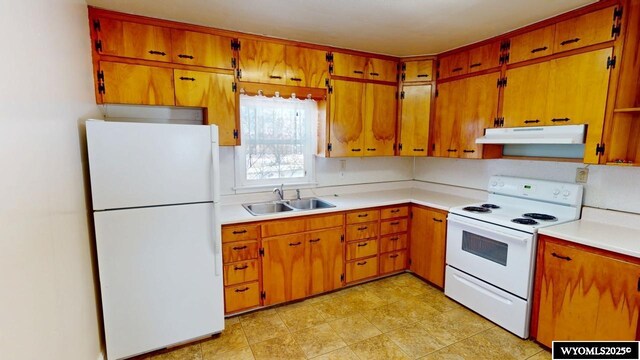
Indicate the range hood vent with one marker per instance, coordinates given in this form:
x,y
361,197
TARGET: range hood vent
x,y
561,134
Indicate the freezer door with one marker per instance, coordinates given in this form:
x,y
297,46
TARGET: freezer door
x,y
160,276
141,164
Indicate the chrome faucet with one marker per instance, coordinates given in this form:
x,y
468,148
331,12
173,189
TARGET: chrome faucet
x,y
280,192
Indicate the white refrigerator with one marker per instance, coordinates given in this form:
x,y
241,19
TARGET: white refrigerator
x,y
155,207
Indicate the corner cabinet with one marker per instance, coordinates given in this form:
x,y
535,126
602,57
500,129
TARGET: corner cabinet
x,y
583,293
415,115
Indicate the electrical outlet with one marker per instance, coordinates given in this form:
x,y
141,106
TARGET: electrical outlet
x,y
343,167
582,175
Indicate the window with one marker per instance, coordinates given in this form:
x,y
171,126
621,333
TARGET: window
x,y
277,141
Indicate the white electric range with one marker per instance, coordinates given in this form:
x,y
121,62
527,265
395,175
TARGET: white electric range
x,y
491,246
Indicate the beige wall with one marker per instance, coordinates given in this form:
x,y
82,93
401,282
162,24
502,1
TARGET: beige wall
x,y
47,295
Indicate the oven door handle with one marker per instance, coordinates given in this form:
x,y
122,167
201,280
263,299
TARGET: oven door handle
x,y
487,232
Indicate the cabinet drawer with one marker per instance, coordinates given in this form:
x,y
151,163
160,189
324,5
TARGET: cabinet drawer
x,y
361,249
394,261
302,224
239,233
362,269
362,231
362,216
241,297
394,212
393,226
241,272
239,251
393,242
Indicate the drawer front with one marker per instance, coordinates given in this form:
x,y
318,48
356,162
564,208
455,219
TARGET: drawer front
x,y
361,249
239,251
362,216
362,269
393,226
394,261
394,212
240,272
362,231
239,233
393,242
241,297
281,227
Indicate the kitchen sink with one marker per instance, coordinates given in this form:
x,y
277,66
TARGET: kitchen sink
x,y
275,207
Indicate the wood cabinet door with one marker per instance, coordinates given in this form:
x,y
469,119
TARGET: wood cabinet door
x,y
383,70
136,84
585,296
306,67
531,45
284,269
484,57
133,40
380,120
525,96
392,262
325,260
414,123
346,118
420,70
349,65
478,112
446,127
427,244
215,93
588,29
262,62
577,94
195,48
453,65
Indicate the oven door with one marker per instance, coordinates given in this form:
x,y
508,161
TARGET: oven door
x,y
498,255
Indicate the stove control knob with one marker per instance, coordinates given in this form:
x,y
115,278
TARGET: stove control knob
x,y
566,193
556,191
494,183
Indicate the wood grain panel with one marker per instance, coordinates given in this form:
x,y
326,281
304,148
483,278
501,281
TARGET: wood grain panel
x,y
532,45
381,70
241,272
419,70
361,269
325,260
478,112
241,297
361,249
484,57
362,231
134,40
355,217
262,61
239,251
392,262
448,117
393,242
239,233
380,120
284,269
453,65
394,212
137,84
415,120
584,30
346,114
428,244
196,48
306,67
393,226
525,97
307,223
349,65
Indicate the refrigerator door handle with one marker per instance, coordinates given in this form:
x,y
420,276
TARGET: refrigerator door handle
x,y
215,195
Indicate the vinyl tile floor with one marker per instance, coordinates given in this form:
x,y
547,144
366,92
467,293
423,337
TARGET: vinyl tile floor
x,y
398,317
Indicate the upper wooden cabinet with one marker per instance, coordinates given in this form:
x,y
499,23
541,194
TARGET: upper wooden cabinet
x,y
583,293
361,67
135,84
532,44
418,70
484,57
262,61
132,40
306,67
428,244
346,118
448,117
380,120
415,103
525,97
588,29
383,70
453,65
195,48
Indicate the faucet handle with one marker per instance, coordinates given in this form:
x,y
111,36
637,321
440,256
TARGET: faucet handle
x,y
298,194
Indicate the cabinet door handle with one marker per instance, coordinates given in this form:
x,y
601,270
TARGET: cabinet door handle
x,y
240,247
240,267
362,244
183,56
395,238
356,150
154,52
362,215
393,256
183,78
296,79
314,240
295,244
468,151
570,41
423,75
475,65
437,220
275,77
395,223
539,49
395,211
236,232
361,263
532,121
452,150
456,69
561,257
242,290
363,228
371,149
358,72
418,149
374,74
560,119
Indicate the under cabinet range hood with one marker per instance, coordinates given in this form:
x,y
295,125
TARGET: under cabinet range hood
x,y
561,134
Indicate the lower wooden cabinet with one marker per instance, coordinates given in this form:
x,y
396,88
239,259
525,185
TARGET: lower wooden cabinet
x,y
241,297
241,272
428,243
362,269
393,261
582,293
241,267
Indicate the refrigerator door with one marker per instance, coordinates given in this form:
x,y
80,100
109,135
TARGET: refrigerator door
x,y
158,269
141,164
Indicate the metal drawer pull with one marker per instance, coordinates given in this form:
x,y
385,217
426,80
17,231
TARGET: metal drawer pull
x,y
452,150
395,223
187,78
532,121
393,256
356,150
296,79
395,211
295,244
437,220
363,228
371,149
363,215
154,52
361,263
560,119
475,65
423,75
468,151
240,267
236,232
418,149
275,77
239,247
242,290
358,72
539,49
561,257
570,41
374,74
183,56
363,244
394,238
314,240
456,69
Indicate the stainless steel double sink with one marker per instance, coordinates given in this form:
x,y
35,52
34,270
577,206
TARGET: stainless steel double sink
x,y
273,207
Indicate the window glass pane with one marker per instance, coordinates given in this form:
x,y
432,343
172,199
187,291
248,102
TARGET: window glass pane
x,y
484,247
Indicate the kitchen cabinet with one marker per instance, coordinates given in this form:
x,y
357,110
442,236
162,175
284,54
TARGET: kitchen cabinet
x,y
428,243
583,293
453,65
393,262
484,57
262,61
284,268
361,236
417,70
448,119
532,44
360,67
346,118
325,260
363,269
415,110
380,120
216,93
201,49
588,29
381,70
120,83
361,249
132,40
394,224
241,267
525,97
306,67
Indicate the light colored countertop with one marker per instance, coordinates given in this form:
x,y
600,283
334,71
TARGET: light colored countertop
x,y
603,229
235,213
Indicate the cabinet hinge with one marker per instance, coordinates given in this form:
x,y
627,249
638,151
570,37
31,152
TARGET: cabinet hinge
x,y
329,147
98,45
263,295
437,92
330,89
234,63
235,44
329,57
234,87
404,66
611,62
504,59
341,277
505,45
502,82
235,136
261,251
239,74
498,122
400,146
615,30
330,68
101,88
341,238
100,75
96,23
600,149
617,13
403,77
401,94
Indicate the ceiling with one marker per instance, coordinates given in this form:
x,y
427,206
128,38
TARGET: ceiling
x,y
393,27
